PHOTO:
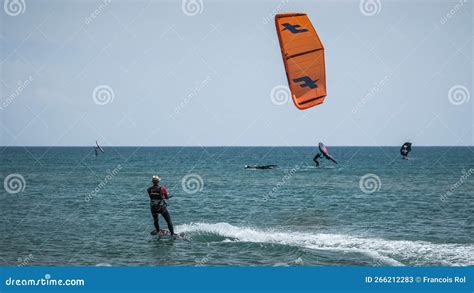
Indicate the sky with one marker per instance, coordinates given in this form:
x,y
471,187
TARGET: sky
x,y
210,73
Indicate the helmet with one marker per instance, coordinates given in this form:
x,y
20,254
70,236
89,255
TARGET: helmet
x,y
155,179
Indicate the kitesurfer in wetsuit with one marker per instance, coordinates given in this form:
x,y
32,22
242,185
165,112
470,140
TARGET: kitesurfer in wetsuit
x,y
404,152
323,152
316,159
260,167
158,196
405,149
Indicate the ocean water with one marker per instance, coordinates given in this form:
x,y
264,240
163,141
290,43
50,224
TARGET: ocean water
x,y
69,207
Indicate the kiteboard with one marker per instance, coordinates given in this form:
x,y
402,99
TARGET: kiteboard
x,y
164,233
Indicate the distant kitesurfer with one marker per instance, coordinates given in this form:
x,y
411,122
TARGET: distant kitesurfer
x,y
98,148
405,149
323,152
158,196
265,167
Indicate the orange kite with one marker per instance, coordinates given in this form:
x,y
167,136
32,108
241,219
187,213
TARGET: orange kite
x,y
303,56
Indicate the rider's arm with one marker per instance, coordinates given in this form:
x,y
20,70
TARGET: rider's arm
x,y
165,192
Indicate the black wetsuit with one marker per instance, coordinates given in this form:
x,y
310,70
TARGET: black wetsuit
x,y
316,159
404,151
158,206
260,167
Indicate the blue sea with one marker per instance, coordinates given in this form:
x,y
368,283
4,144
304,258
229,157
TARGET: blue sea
x,y
66,206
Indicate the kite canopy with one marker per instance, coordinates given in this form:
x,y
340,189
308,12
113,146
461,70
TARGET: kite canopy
x,y
303,56
324,150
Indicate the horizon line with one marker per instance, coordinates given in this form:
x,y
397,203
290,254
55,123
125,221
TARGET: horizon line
x,y
216,146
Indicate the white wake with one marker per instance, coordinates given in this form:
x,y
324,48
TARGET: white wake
x,y
388,252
